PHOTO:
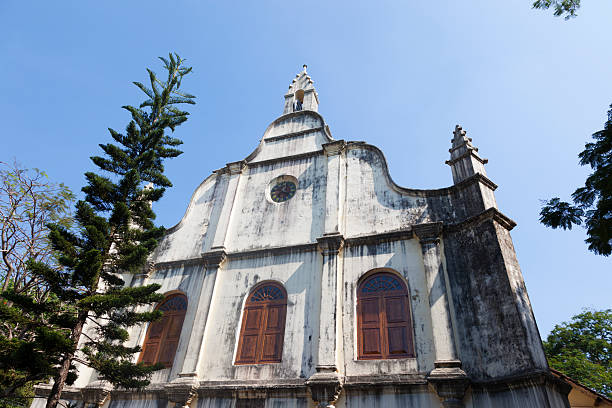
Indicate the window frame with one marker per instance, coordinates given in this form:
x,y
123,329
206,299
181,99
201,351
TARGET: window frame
x,y
265,306
382,297
172,316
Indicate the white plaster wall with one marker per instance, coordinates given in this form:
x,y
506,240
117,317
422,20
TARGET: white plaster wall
x,y
258,222
299,144
388,398
300,275
186,239
372,205
185,279
403,257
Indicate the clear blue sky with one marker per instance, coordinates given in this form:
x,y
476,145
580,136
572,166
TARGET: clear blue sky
x,y
529,88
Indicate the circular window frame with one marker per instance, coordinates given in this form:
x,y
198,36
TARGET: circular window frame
x,y
280,179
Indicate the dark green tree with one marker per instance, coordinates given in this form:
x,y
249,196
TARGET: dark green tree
x,y
561,7
582,349
592,203
28,201
90,309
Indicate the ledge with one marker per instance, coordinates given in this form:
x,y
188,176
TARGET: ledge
x,y
294,134
530,379
286,158
488,214
368,381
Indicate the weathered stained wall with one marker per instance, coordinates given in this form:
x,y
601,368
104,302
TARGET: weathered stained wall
x,y
451,247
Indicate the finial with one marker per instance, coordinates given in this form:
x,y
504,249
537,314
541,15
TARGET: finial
x,y
305,66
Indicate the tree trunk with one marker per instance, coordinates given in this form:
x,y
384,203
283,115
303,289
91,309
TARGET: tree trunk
x,y
60,379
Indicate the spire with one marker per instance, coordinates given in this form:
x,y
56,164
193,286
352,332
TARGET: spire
x,y
464,158
301,94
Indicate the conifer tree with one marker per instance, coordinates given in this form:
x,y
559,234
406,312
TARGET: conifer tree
x,y
115,234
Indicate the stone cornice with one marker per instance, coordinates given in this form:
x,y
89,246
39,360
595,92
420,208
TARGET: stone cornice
x,y
214,258
330,244
178,263
397,235
523,380
286,158
470,152
488,214
334,148
261,252
294,134
369,381
428,232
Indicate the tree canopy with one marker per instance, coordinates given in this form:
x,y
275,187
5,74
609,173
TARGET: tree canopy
x,y
592,203
582,349
85,318
567,8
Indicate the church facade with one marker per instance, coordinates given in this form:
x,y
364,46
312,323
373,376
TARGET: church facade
x,y
304,276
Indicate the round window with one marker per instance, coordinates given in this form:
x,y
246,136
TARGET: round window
x,y
282,189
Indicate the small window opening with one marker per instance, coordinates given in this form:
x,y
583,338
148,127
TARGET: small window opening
x,y
299,100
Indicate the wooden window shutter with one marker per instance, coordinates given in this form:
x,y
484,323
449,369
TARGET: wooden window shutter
x,y
163,335
384,325
263,325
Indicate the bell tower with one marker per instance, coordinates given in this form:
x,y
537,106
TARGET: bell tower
x,y
301,94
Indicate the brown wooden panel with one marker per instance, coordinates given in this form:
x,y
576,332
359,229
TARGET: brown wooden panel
x,y
252,318
371,341
248,349
395,309
271,349
397,337
174,327
168,350
370,312
157,328
273,321
148,353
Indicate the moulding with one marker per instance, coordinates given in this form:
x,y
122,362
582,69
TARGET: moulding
x,y
334,148
330,244
396,235
96,392
215,257
286,158
467,154
523,380
260,252
410,381
294,134
488,214
428,233
181,262
235,167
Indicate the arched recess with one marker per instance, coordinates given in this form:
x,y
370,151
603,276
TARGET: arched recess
x,y
163,335
384,323
263,325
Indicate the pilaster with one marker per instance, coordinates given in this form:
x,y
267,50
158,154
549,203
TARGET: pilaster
x,y
234,170
325,385
212,262
447,377
333,152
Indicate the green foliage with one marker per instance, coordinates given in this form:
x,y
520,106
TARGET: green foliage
x,y
86,318
582,349
28,201
561,7
592,203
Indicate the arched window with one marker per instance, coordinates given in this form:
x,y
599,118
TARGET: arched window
x,y
263,325
384,327
163,335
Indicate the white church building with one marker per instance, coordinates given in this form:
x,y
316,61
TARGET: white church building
x,y
303,276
